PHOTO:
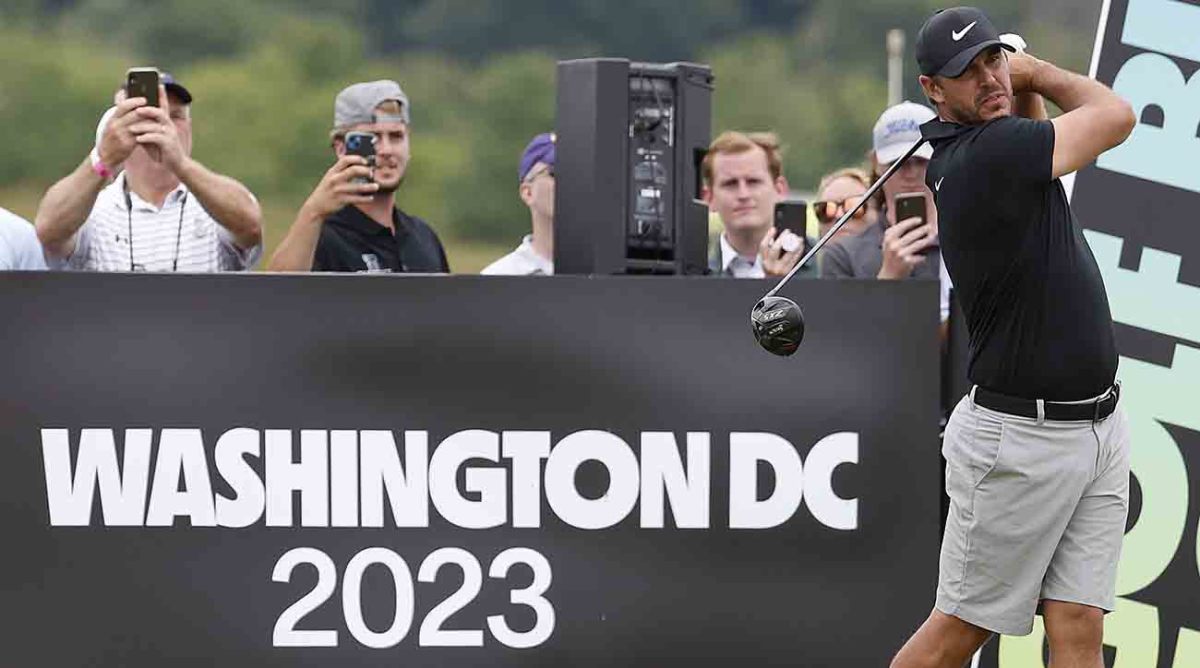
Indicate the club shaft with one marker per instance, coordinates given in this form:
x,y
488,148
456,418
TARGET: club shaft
x,y
866,198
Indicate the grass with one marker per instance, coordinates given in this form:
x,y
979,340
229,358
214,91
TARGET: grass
x,y
467,256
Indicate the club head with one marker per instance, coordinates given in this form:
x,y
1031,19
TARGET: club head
x,y
778,325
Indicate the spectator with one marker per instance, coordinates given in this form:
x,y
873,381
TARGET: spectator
x,y
19,247
535,173
890,249
743,181
838,193
350,222
140,202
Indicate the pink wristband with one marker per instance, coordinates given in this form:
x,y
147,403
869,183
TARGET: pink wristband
x,y
99,167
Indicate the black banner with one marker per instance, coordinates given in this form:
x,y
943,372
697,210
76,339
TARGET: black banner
x,y
1139,203
314,471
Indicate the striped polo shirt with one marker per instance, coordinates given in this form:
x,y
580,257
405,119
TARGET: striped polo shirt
x,y
179,236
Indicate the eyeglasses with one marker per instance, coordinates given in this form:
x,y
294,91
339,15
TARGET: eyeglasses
x,y
829,210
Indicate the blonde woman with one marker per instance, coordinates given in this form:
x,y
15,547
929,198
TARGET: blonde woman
x,y
838,193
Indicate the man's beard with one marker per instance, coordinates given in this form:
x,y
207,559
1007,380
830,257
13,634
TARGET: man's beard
x,y
965,115
388,189
972,115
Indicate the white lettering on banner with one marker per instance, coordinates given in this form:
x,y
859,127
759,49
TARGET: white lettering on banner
x,y
526,449
490,510
431,634
308,476
343,478
181,452
745,452
794,481
825,505
662,471
1167,154
623,478
346,479
122,498
249,501
381,471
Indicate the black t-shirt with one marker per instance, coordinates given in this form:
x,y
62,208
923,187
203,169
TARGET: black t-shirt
x,y
1030,288
352,242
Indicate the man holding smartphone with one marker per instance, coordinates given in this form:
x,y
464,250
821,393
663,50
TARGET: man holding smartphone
x,y
1038,452
896,247
140,202
350,222
743,184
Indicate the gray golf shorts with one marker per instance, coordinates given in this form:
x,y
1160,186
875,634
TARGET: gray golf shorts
x,y
1037,512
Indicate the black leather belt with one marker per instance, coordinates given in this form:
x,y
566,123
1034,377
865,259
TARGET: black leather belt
x,y
1092,410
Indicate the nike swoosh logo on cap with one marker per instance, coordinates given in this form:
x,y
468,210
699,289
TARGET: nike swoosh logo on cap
x,y
957,36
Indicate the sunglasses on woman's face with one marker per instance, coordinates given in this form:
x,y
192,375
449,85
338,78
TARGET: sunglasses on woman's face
x,y
828,210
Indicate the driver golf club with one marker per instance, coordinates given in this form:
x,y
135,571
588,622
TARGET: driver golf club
x,y
778,322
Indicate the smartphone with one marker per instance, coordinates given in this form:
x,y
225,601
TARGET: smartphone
x,y
912,205
142,82
792,215
362,144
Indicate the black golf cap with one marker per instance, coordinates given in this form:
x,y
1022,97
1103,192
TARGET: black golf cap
x,y
951,39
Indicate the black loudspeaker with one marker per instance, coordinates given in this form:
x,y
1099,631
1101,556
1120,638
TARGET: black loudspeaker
x,y
631,137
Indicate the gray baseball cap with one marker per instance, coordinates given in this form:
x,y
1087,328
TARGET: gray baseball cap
x,y
356,104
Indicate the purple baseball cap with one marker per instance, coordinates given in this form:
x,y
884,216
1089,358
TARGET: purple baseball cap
x,y
540,149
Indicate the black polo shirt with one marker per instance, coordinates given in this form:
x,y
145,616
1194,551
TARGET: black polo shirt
x,y
352,242
1029,286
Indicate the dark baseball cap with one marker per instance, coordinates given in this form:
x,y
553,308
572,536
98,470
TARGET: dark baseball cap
x,y
173,86
951,39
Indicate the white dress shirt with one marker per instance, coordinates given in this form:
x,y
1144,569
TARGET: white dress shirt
x,y
524,261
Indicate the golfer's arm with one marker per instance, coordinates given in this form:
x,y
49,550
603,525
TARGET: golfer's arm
x,y
1031,105
1095,119
65,208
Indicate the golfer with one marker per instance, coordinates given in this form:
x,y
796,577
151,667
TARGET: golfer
x,y
1038,453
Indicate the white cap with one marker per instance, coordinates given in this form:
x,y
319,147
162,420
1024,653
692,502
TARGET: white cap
x,y
103,124
898,129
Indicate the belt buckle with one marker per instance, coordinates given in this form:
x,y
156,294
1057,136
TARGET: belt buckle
x,y
1113,395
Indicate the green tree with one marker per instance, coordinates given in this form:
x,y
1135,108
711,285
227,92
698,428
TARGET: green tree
x,y
49,107
823,115
663,30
